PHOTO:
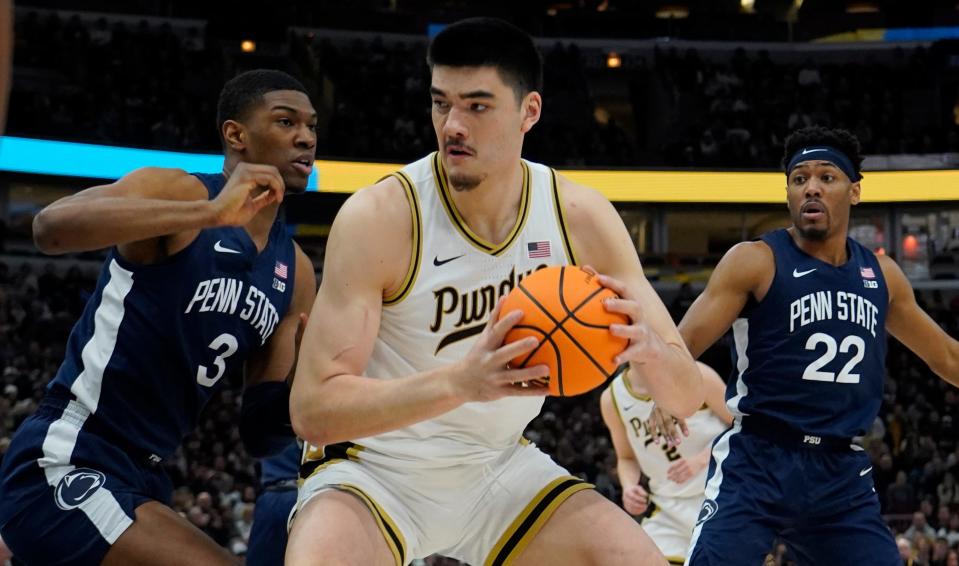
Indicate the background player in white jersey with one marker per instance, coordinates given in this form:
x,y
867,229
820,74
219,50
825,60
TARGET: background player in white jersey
x,y
677,474
414,267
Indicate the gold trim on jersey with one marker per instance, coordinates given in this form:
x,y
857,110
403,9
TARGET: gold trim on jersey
x,y
677,560
629,387
561,219
442,187
417,242
392,534
524,527
315,458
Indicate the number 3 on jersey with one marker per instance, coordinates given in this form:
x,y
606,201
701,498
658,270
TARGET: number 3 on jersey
x,y
813,372
219,342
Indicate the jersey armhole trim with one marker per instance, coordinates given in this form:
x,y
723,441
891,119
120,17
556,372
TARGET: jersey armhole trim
x,y
417,241
561,219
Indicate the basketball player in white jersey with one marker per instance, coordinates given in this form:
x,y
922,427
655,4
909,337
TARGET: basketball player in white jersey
x,y
677,474
414,418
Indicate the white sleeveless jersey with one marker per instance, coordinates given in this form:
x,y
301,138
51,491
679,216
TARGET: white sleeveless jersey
x,y
655,459
453,283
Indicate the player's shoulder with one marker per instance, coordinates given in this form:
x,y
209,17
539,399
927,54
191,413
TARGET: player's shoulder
x,y
747,267
376,227
750,254
586,210
164,182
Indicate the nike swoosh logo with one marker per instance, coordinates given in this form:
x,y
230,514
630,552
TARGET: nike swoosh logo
x,y
218,247
438,262
797,274
808,151
866,471
628,407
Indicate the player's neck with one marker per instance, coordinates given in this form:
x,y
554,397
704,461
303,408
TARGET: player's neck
x,y
259,226
831,250
490,208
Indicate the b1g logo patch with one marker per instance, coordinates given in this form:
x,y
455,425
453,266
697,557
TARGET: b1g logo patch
x,y
76,487
708,510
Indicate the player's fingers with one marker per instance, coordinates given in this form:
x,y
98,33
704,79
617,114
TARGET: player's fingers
x,y
514,349
589,269
526,389
614,285
683,426
265,198
499,329
521,375
630,309
494,316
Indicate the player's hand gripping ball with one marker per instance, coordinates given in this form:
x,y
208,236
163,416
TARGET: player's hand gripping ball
x,y
563,309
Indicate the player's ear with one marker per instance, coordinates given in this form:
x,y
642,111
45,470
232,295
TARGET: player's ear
x,y
532,107
234,135
855,193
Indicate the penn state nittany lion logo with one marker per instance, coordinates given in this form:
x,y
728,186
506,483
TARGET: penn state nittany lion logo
x,y
709,509
76,487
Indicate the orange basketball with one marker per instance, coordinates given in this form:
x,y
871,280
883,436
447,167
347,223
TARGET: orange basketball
x,y
563,308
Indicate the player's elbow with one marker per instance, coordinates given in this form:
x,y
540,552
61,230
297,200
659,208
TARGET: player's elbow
x,y
45,233
308,425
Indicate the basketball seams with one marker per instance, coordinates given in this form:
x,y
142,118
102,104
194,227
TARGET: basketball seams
x,y
556,350
558,324
572,314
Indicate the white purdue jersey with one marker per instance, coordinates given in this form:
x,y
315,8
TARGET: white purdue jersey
x,y
452,284
655,459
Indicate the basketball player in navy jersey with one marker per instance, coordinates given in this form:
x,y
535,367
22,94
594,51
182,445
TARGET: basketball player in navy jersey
x,y
202,281
6,62
809,308
278,475
414,419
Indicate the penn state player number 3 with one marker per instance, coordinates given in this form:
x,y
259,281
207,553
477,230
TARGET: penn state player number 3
x,y
813,371
219,342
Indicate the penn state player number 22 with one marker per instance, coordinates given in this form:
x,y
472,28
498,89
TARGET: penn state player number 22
x,y
219,342
813,371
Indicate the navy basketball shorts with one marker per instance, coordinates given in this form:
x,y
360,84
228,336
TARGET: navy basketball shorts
x,y
820,502
267,545
66,495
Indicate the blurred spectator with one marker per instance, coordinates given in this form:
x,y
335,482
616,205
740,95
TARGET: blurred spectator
x,y
919,528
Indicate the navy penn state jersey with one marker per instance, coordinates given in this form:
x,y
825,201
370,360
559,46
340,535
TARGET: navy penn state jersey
x,y
154,341
281,467
812,352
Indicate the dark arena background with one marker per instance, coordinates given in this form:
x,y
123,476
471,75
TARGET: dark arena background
x,y
676,111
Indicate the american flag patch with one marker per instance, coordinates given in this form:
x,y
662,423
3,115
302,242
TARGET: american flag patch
x,y
538,249
280,270
867,272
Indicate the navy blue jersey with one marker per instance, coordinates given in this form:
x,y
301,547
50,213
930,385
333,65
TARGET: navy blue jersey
x,y
812,352
281,467
155,340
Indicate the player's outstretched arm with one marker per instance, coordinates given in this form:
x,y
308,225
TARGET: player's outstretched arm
x,y
150,203
600,240
917,330
746,270
265,427
664,428
635,498
367,257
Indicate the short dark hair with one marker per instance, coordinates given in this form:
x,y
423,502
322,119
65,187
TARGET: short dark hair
x,y
246,90
490,42
843,140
